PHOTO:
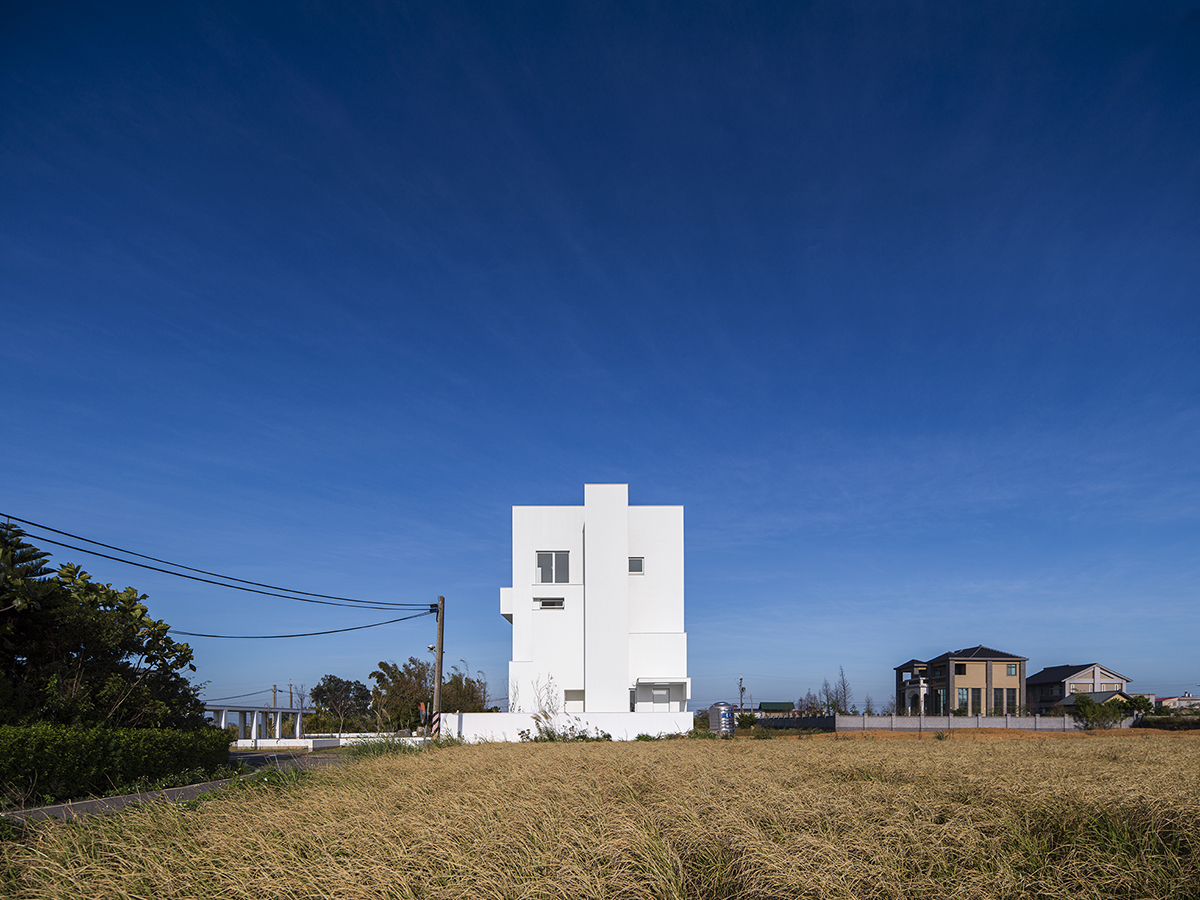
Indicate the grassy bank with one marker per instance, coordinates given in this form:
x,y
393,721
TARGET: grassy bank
x,y
1093,817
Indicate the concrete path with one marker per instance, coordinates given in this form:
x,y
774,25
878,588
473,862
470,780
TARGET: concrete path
x,y
105,805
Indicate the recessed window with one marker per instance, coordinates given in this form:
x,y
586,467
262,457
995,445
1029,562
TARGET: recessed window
x,y
553,567
636,565
555,603
960,668
1012,668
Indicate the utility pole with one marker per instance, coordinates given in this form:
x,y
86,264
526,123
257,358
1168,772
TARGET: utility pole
x,y
291,705
273,703
741,695
436,730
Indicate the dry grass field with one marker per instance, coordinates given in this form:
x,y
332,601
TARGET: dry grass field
x,y
1094,816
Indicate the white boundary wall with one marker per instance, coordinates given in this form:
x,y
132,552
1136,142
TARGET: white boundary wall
x,y
476,727
507,726
956,723
319,742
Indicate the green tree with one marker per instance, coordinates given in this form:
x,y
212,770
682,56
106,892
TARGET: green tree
x,y
1136,705
342,699
462,693
76,652
25,581
809,705
398,690
1097,715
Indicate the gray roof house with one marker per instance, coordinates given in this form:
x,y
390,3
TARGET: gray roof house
x,y
1055,684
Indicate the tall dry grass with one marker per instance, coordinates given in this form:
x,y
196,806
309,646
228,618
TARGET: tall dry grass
x,y
782,818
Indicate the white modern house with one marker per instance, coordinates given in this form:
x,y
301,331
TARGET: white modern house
x,y
596,607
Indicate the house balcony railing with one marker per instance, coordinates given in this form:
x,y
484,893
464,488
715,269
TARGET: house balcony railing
x,y
929,682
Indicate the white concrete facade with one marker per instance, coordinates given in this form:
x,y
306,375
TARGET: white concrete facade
x,y
596,607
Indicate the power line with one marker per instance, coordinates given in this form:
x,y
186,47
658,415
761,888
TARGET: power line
x,y
265,637
237,696
273,587
353,604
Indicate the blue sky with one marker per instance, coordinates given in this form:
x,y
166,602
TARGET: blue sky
x,y
899,301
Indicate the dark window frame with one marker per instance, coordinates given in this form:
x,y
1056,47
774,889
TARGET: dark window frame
x,y
555,562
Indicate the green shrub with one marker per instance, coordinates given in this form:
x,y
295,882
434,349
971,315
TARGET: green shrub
x,y
52,763
1169,723
762,733
545,731
1097,715
746,720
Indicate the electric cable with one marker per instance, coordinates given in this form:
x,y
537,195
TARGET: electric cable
x,y
265,637
238,696
354,604
166,562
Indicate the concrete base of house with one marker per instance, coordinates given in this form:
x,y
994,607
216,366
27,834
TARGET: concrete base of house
x,y
622,726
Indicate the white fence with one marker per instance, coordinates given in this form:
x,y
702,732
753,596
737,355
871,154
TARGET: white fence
x,y
952,723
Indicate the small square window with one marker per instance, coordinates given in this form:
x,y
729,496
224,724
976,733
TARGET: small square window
x,y
547,603
960,668
1012,668
637,565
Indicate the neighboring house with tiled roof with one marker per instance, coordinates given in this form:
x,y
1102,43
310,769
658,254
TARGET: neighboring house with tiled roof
x,y
1049,687
1185,701
973,681
1067,704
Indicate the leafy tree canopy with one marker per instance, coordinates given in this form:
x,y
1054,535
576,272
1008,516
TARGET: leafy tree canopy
x,y
75,652
1097,715
1139,704
398,690
463,693
342,699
